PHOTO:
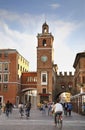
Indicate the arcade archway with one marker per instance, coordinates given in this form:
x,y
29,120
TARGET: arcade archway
x,y
29,95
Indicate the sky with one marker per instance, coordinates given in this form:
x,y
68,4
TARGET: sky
x,y
22,20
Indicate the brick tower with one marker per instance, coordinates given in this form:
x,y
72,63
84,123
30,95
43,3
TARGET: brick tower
x,y
44,65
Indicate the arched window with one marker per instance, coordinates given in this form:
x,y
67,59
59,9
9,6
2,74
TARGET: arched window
x,y
44,42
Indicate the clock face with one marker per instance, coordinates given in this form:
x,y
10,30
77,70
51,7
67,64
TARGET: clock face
x,y
44,58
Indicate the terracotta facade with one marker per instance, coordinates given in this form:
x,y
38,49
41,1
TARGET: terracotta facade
x,y
10,84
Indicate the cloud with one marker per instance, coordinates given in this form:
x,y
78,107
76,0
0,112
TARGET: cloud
x,y
25,41
63,54
55,5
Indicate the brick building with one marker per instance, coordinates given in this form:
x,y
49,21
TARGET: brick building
x,y
12,64
29,87
79,76
64,83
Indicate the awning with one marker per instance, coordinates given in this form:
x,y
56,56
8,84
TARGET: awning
x,y
44,94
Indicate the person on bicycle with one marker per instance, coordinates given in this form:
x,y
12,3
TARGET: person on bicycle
x,y
58,109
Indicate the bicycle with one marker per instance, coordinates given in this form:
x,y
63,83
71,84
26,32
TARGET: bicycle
x,y
59,120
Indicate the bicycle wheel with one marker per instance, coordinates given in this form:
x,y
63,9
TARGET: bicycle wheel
x,y
59,122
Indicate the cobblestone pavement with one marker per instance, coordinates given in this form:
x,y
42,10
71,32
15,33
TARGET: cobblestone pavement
x,y
39,121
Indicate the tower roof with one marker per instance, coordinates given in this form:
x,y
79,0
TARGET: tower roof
x,y
45,24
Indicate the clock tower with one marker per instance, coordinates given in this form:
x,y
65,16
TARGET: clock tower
x,y
44,65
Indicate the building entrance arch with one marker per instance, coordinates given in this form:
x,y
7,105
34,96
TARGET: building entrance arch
x,y
64,95
29,95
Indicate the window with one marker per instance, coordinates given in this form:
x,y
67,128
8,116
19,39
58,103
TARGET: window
x,y
83,79
0,87
0,66
28,79
31,79
18,66
5,54
0,54
44,90
5,65
5,78
18,76
35,79
44,43
0,77
44,78
5,87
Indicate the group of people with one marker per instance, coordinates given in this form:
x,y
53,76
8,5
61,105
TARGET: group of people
x,y
27,108
59,108
6,108
67,108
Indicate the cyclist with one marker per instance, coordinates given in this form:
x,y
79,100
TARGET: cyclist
x,y
58,109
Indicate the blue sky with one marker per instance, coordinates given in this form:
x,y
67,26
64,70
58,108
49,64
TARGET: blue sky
x,y
21,21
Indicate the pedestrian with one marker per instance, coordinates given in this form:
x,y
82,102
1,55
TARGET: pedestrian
x,y
11,107
28,108
7,108
43,108
49,108
21,109
69,108
3,107
65,108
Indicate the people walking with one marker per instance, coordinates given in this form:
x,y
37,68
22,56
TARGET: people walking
x,y
28,108
43,108
65,108
21,109
69,108
49,108
7,108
